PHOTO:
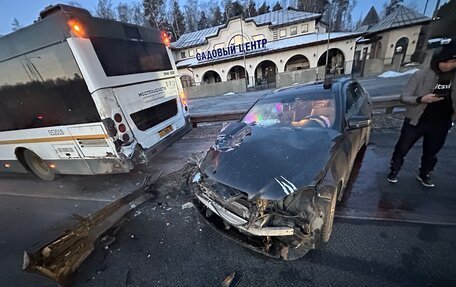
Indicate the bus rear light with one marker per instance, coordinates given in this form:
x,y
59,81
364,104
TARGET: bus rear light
x,y
165,39
126,138
76,28
122,128
118,117
183,99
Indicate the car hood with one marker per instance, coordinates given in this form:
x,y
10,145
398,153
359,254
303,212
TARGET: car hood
x,y
266,162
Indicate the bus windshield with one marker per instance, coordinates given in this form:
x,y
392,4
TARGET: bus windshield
x,y
122,57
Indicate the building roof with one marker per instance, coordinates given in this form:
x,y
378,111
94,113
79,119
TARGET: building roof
x,y
195,38
371,18
286,43
283,16
275,18
401,16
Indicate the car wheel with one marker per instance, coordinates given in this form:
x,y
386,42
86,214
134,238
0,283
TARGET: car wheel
x,y
38,166
330,210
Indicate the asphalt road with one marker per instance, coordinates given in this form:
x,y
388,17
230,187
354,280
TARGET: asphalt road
x,y
374,242
242,101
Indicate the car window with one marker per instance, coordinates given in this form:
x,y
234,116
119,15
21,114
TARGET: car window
x,y
354,93
297,112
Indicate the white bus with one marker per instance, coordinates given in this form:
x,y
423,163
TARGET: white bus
x,y
84,95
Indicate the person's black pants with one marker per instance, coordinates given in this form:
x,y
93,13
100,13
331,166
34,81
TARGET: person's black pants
x,y
434,134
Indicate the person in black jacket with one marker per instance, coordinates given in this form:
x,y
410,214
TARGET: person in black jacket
x,y
430,98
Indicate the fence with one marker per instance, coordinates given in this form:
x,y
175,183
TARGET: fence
x,y
385,103
215,89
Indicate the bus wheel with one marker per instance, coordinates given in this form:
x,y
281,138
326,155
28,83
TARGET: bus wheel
x,y
38,166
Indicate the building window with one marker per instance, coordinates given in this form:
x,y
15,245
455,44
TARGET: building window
x,y
304,28
237,40
198,50
218,46
258,37
183,54
191,53
283,33
293,30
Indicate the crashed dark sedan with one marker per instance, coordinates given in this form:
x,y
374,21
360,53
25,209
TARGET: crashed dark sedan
x,y
271,180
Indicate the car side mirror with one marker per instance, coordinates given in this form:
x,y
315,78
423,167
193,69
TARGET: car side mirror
x,y
358,122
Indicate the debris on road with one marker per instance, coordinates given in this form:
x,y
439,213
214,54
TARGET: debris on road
x,y
60,258
187,205
231,280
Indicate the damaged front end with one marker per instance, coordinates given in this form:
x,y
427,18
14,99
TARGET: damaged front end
x,y
286,227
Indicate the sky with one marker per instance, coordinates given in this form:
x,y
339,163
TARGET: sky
x,y
26,11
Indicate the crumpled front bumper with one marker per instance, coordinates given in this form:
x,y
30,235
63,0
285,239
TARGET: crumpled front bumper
x,y
288,243
241,223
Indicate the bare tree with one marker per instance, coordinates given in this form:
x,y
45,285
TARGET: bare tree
x,y
124,12
191,15
137,16
104,9
154,12
15,25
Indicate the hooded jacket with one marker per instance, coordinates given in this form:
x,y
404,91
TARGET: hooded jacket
x,y
423,82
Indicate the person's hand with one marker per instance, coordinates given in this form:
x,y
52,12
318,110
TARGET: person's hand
x,y
430,98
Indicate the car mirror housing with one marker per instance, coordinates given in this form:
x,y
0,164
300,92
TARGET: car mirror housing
x,y
358,122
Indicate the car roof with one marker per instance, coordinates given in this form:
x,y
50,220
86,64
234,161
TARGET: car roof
x,y
313,88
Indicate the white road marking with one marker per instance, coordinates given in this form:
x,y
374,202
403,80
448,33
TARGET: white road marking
x,y
76,198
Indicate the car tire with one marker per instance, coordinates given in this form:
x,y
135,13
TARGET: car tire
x,y
38,166
327,226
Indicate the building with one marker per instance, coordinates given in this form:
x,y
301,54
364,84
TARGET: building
x,y
389,42
263,47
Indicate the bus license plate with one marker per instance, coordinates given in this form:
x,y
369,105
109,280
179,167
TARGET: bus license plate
x,y
165,131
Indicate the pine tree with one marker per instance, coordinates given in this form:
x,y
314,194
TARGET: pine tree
x,y
391,6
235,9
338,14
314,6
264,8
217,17
203,23
277,6
178,20
251,10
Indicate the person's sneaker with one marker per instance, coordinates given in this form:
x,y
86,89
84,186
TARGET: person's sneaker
x,y
425,180
392,176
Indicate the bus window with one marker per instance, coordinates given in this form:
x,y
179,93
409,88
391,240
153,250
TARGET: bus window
x,y
123,57
52,93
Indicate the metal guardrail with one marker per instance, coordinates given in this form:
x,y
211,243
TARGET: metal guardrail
x,y
383,102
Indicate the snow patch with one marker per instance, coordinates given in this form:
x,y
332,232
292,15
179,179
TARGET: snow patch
x,y
392,74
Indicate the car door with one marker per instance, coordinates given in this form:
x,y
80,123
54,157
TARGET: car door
x,y
353,107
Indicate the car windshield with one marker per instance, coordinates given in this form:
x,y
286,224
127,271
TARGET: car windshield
x,y
297,111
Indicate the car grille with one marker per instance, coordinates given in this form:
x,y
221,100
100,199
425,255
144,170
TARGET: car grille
x,y
238,205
